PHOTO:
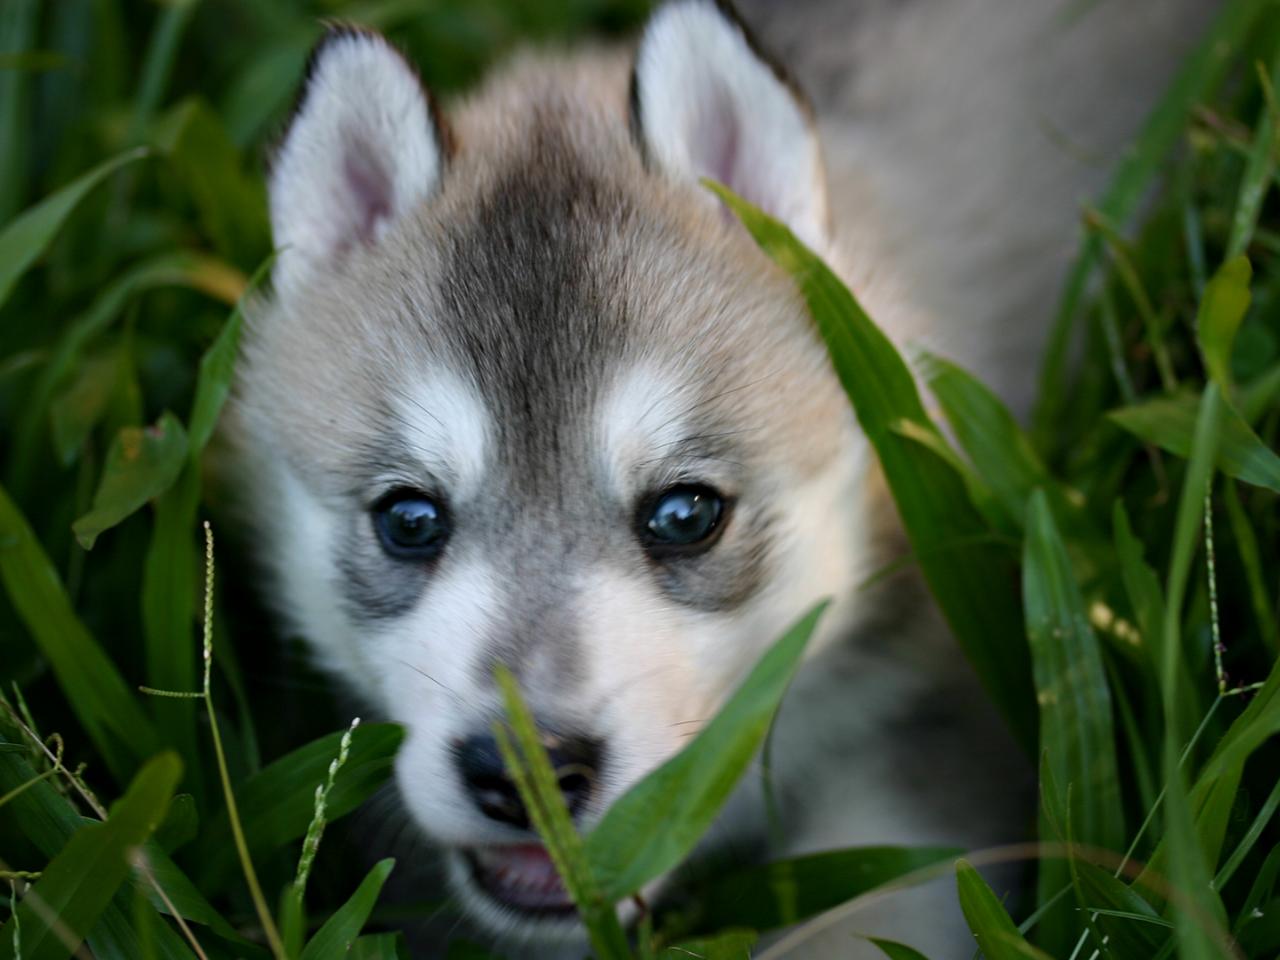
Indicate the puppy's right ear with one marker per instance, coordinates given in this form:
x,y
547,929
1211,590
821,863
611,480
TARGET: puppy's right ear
x,y
362,150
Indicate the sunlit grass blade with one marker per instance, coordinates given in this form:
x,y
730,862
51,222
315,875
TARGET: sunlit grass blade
x,y
654,825
526,760
992,927
1169,423
975,587
23,240
990,436
90,681
340,931
1225,302
1076,726
79,883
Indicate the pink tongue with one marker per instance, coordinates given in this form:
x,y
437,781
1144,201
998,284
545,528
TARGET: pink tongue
x,y
522,875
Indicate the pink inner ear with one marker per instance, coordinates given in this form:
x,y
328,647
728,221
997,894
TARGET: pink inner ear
x,y
369,194
721,152
720,137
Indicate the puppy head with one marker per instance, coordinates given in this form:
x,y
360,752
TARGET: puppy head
x,y
527,395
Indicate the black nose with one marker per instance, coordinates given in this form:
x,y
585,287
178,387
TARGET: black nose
x,y
575,760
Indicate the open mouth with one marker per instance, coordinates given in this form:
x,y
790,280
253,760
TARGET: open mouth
x,y
520,877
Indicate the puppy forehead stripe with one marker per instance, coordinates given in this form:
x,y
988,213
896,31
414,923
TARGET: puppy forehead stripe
x,y
445,426
645,410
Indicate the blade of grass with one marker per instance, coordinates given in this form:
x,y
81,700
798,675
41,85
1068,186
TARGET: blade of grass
x,y
989,435
1258,170
1169,423
1196,917
340,931
1226,300
277,804
975,588
1076,727
142,464
96,692
1200,74
23,240
530,767
78,885
997,937
654,825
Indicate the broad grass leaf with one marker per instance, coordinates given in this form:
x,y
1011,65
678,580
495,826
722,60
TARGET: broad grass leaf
x,y
897,951
788,891
1169,423
989,435
1146,597
79,883
23,240
340,931
277,803
1131,926
143,463
1129,187
93,687
990,923
653,826
1222,308
976,588
1076,729
217,368
727,945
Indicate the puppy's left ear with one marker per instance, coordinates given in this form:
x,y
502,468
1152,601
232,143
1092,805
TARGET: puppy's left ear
x,y
363,149
705,103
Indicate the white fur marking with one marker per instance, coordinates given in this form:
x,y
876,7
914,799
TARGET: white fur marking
x,y
447,428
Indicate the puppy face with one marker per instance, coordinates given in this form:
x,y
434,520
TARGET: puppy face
x,y
526,395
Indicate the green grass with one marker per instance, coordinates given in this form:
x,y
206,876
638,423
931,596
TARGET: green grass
x,y
1112,574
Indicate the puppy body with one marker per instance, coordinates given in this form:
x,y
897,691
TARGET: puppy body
x,y
530,316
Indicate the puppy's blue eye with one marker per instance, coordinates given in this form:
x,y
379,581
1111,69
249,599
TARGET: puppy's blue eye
x,y
410,525
683,517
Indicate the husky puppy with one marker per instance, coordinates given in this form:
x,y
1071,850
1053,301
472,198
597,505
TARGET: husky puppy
x,y
525,394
